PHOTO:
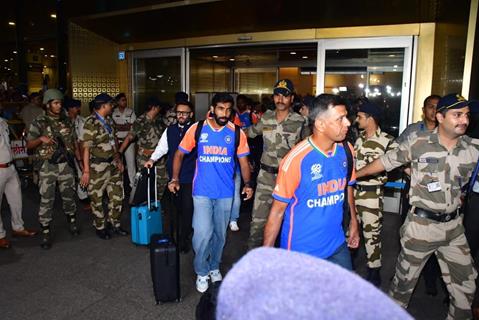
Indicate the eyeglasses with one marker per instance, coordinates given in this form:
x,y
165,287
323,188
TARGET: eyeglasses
x,y
183,113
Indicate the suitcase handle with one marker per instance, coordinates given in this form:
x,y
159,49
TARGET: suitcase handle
x,y
156,189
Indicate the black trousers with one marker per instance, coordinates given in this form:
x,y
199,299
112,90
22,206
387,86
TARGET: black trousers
x,y
471,224
183,203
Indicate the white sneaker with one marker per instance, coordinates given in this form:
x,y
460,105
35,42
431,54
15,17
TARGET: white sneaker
x,y
215,275
202,283
234,226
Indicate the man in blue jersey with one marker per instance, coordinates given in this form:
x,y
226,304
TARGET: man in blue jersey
x,y
213,184
312,186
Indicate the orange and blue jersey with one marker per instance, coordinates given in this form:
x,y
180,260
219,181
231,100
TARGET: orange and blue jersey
x,y
313,184
215,164
246,119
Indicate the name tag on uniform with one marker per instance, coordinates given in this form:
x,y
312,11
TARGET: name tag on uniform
x,y
434,186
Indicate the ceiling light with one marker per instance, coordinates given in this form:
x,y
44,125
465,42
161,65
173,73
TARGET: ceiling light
x,y
395,66
52,56
392,55
14,52
232,59
41,49
6,60
53,15
44,66
11,23
361,85
292,52
215,57
46,56
335,90
304,57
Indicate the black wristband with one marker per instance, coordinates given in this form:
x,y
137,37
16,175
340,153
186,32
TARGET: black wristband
x,y
248,184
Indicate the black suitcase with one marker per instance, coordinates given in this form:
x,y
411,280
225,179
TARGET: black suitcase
x,y
165,268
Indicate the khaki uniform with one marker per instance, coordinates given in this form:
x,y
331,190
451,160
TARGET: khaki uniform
x,y
369,192
148,132
122,122
50,173
437,177
104,174
9,181
278,139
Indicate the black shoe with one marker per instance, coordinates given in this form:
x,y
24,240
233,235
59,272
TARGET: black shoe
x,y
120,231
103,234
374,276
73,226
46,238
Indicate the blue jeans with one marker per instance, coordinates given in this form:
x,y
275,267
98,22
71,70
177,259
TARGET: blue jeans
x,y
235,209
210,220
342,257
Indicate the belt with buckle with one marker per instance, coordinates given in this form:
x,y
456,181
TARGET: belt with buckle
x,y
269,169
368,188
6,165
443,217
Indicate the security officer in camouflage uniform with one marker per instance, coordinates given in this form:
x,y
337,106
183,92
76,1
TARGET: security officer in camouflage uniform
x,y
281,130
441,165
53,137
369,192
102,167
147,129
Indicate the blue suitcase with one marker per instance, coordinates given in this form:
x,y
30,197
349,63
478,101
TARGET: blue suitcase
x,y
146,219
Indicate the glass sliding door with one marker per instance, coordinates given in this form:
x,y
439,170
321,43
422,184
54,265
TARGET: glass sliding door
x,y
376,68
157,73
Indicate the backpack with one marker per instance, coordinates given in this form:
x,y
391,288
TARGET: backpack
x,y
346,211
237,135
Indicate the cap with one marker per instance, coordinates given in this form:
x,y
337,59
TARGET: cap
x,y
451,101
153,101
103,98
71,103
332,288
372,109
284,87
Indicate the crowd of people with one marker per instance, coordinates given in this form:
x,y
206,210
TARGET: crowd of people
x,y
317,184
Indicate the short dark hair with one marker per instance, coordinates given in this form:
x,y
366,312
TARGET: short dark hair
x,y
322,104
222,97
120,95
184,103
432,96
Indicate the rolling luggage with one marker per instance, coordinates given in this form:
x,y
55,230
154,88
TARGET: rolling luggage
x,y
165,268
146,218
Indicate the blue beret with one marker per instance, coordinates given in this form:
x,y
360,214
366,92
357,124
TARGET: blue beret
x,y
372,109
451,101
103,98
270,283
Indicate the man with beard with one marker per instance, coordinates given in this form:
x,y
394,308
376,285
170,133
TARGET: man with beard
x,y
442,162
168,144
213,185
312,186
281,130
54,139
